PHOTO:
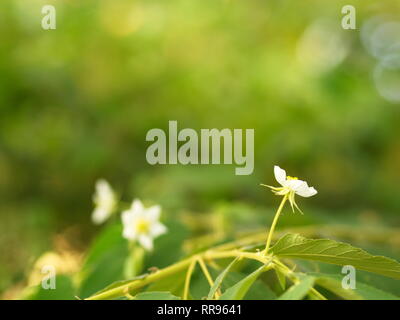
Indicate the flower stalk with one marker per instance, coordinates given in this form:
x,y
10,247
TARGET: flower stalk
x,y
274,222
290,186
188,278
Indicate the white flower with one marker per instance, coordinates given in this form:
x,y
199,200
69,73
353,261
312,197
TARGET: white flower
x,y
290,187
142,224
105,201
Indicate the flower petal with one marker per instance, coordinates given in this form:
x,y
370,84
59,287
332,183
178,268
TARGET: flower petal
x,y
129,233
296,184
157,229
280,175
103,187
137,206
307,191
127,217
153,213
100,214
146,242
104,200
128,221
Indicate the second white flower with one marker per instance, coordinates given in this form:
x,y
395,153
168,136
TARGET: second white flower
x,y
142,224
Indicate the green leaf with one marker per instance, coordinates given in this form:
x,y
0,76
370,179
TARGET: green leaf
x,y
173,283
298,290
362,291
156,295
239,290
330,251
168,247
105,261
109,238
260,291
220,279
281,279
64,290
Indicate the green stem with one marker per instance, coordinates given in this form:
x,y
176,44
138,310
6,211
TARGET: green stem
x,y
187,280
175,268
137,284
274,222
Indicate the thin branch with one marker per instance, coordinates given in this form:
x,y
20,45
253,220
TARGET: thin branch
x,y
187,280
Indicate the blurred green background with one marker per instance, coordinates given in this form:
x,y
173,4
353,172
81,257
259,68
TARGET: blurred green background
x,y
76,104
